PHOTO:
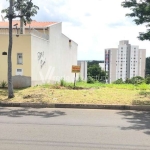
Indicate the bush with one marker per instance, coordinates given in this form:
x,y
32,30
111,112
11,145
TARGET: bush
x,y
128,81
62,82
3,84
147,80
90,79
79,78
137,80
119,81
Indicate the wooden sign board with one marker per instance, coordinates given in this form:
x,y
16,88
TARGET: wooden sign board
x,y
76,69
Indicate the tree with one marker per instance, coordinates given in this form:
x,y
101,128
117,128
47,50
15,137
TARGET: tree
x,y
147,66
94,70
23,9
141,12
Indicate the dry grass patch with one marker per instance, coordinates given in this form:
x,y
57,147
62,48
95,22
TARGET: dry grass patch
x,y
102,95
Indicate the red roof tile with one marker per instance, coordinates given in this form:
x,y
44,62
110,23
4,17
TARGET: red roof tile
x,y
34,24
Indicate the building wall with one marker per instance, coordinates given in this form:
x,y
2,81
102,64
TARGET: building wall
x,y
21,44
63,54
110,63
142,61
113,55
134,61
83,70
122,60
102,65
40,61
57,56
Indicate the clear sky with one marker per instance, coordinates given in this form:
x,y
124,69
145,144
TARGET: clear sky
x,y
93,24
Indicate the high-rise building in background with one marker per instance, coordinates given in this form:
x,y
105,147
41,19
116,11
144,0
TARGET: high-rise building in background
x,y
124,62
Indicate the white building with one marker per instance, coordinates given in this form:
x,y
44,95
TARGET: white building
x,y
124,62
83,70
42,54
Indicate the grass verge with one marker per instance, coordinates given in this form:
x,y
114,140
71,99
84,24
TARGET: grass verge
x,y
97,93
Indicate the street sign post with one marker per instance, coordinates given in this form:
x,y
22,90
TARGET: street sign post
x,y
75,69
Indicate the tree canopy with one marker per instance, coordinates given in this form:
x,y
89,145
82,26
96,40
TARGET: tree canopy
x,y
94,70
140,10
147,66
24,9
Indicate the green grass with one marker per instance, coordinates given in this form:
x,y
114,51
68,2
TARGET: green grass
x,y
100,85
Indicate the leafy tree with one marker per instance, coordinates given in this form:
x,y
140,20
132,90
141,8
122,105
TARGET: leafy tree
x,y
24,9
147,66
141,12
94,70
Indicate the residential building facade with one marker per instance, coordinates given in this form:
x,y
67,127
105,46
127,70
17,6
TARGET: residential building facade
x,y
43,54
124,62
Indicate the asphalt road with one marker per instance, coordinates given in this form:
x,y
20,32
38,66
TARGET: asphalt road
x,y
73,129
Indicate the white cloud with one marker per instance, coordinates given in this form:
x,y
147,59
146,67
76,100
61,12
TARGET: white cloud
x,y
93,24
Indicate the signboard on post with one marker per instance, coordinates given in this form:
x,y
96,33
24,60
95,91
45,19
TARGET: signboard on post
x,y
75,69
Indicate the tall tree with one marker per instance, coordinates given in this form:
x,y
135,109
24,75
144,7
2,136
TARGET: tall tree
x,y
27,9
140,10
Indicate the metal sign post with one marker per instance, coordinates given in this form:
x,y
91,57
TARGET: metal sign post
x,y
75,69
75,81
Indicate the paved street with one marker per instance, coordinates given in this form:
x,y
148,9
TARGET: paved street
x,y
73,129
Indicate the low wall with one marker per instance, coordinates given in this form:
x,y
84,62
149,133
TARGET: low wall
x,y
21,81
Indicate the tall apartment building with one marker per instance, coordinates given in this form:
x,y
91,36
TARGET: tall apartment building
x,y
124,62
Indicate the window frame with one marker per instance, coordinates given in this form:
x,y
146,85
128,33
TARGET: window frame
x,y
19,54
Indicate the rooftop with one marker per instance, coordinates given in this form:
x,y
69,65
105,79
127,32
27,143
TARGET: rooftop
x,y
33,24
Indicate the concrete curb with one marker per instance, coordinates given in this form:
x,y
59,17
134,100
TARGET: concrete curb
x,y
78,106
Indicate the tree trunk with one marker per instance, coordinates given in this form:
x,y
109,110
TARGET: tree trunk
x,y
21,22
10,85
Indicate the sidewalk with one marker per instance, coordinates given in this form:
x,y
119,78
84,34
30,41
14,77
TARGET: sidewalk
x,y
78,106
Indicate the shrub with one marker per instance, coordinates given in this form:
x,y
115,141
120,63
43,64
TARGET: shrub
x,y
128,81
119,81
145,93
137,80
90,79
147,80
62,82
79,78
3,84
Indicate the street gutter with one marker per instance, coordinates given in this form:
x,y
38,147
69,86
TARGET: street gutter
x,y
78,106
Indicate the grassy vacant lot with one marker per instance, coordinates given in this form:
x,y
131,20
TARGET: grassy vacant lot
x,y
84,93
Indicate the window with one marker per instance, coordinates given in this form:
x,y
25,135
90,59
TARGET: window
x,y
19,72
19,58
